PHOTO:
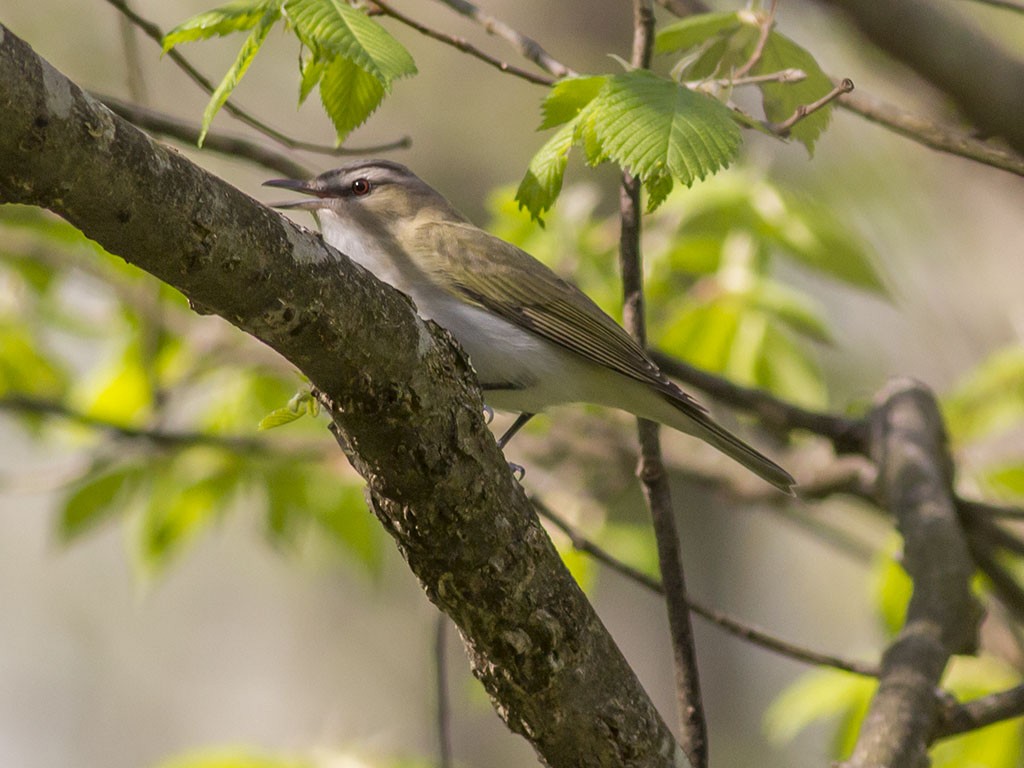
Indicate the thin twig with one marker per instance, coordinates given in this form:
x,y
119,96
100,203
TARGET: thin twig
x,y
156,34
527,47
767,22
444,720
987,509
804,110
651,470
460,43
188,133
162,437
975,714
1006,5
729,624
931,134
848,435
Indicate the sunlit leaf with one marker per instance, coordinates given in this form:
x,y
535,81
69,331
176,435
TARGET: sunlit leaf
x,y
236,16
350,94
248,52
236,757
796,310
821,695
568,97
892,589
990,400
694,30
543,180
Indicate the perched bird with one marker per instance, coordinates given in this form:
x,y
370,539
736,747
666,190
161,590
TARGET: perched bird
x,y
534,339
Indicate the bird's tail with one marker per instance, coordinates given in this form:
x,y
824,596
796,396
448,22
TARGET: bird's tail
x,y
739,451
681,412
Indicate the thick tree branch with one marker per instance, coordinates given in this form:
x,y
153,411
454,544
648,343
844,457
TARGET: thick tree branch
x,y
953,54
915,484
399,392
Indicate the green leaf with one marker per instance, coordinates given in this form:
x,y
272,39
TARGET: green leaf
x,y
235,757
354,59
250,48
892,589
333,28
97,499
653,126
237,16
1006,480
990,400
188,495
823,694
568,97
349,94
786,369
25,368
793,308
279,417
694,30
543,180
781,99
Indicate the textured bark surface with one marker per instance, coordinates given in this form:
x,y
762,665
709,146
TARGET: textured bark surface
x,y
401,396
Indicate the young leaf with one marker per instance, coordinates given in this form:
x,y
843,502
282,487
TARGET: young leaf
x,y
781,99
543,180
653,127
791,307
568,97
237,16
692,31
349,94
334,28
354,58
250,48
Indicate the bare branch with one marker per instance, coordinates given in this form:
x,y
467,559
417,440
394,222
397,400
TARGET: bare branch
x,y
972,715
444,724
848,435
801,112
931,134
162,124
767,21
909,447
165,438
530,49
733,626
463,45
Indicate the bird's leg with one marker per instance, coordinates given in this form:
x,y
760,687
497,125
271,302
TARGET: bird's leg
x,y
516,426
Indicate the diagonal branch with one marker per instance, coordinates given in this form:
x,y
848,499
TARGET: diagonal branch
x,y
410,420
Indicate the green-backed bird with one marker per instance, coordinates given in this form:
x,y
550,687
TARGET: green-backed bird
x,y
534,339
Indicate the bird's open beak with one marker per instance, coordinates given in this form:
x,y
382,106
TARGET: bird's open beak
x,y
305,187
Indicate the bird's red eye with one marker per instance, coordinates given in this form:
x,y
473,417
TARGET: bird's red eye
x,y
360,187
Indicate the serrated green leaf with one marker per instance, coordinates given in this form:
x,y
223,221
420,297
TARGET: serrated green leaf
x,y
781,99
312,69
694,30
236,16
332,28
653,126
349,94
250,48
543,180
96,499
568,97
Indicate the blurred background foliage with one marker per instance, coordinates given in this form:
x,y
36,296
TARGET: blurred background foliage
x,y
127,416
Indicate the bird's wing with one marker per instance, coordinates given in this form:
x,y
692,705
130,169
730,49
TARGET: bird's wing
x,y
488,272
